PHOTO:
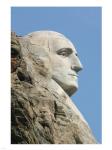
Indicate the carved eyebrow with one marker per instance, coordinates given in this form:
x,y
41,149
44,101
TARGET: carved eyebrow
x,y
67,50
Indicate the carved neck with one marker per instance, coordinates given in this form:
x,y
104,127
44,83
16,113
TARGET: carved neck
x,y
56,89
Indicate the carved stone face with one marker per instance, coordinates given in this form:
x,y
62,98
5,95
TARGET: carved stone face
x,y
63,56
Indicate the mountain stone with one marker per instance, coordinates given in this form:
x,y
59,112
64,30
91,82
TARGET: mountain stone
x,y
41,111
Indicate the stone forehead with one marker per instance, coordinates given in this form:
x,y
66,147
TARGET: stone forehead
x,y
50,39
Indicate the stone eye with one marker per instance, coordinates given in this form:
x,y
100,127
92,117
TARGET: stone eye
x,y
64,51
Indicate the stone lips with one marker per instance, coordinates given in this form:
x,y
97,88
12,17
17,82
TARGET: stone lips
x,y
62,55
41,111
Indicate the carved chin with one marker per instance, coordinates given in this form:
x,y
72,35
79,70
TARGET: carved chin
x,y
70,89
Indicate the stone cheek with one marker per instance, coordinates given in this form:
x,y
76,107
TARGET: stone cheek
x,y
41,112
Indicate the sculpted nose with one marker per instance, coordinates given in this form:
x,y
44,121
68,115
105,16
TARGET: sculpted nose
x,y
77,66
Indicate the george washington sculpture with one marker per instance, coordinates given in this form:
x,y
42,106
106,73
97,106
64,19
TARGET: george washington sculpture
x,y
45,67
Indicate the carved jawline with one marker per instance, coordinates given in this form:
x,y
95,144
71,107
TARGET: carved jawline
x,y
69,91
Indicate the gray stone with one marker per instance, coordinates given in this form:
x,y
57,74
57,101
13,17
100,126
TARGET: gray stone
x,y
44,74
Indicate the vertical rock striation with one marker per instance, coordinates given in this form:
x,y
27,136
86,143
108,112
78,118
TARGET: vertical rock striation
x,y
39,113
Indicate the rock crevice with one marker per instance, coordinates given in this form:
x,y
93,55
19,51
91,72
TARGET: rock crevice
x,y
39,113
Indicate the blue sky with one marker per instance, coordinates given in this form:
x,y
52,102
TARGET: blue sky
x,y
82,25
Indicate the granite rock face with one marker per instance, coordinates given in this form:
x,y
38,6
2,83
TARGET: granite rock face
x,y
39,113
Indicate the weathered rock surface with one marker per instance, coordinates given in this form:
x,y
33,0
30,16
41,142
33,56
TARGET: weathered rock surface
x,y
39,113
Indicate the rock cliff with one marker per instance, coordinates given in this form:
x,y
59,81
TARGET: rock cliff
x,y
39,113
